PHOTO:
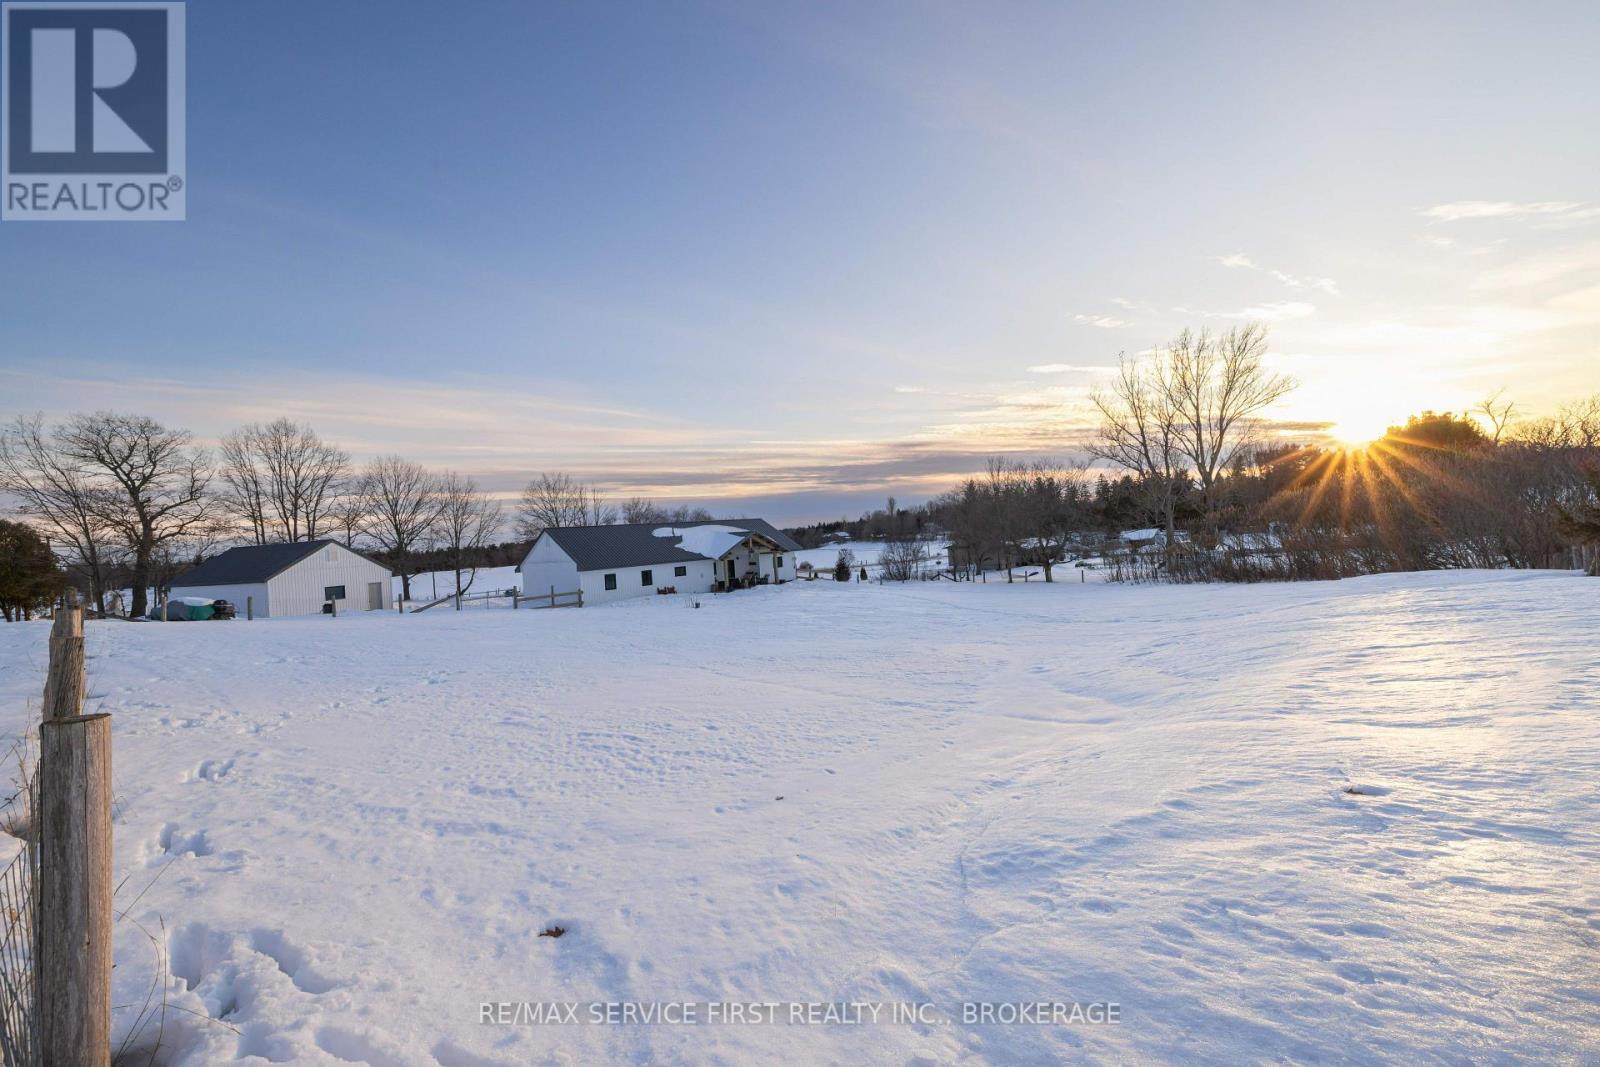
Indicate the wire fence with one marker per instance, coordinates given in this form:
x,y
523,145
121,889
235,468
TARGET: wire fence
x,y
19,895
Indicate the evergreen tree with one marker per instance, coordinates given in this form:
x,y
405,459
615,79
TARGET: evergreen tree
x,y
29,577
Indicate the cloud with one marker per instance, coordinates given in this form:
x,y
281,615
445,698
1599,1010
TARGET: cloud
x,y
1541,267
1066,368
1105,322
1275,311
1294,281
1456,211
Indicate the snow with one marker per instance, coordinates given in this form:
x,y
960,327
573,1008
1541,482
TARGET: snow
x,y
488,579
711,541
1351,821
866,553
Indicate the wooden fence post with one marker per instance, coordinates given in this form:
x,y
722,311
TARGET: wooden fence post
x,y
74,932
64,684
249,608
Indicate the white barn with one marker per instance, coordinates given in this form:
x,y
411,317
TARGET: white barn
x,y
636,559
296,578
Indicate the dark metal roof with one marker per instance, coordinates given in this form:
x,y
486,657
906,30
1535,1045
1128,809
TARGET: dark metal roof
x,y
635,544
250,564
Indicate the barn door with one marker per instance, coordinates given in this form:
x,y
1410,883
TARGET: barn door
x,y
374,596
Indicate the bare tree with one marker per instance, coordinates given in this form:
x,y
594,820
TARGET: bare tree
x,y
685,513
468,520
556,499
59,492
282,478
1192,407
1574,426
1139,431
1497,413
347,514
639,509
903,556
967,517
244,495
401,505
1216,385
1003,506
151,484
1054,498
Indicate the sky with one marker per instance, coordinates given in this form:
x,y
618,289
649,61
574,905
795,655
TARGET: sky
x,y
786,260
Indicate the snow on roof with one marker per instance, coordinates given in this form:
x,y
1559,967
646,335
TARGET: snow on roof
x,y
637,545
709,541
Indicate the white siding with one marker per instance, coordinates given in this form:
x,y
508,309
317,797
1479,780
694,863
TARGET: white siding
x,y
299,590
233,594
630,581
770,567
546,564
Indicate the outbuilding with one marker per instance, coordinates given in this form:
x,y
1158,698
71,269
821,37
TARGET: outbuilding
x,y
637,559
295,578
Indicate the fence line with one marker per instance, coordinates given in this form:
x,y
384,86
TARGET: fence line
x,y
552,596
19,895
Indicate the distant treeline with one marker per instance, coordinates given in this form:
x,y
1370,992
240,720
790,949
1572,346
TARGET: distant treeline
x,y
501,554
1441,491
1180,429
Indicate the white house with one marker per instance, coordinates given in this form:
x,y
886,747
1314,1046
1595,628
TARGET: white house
x,y
636,559
296,578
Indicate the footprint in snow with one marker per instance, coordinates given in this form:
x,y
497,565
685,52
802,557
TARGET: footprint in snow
x,y
174,842
211,770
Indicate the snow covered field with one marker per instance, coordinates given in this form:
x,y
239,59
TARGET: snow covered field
x,y
430,585
350,832
866,554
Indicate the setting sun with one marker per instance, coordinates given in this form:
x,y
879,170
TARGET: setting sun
x,y
1355,431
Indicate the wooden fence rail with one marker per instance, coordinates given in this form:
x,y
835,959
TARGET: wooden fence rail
x,y
553,598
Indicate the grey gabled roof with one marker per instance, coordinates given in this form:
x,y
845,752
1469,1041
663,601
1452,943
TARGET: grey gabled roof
x,y
595,548
250,564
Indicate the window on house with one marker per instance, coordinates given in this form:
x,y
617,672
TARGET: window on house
x,y
333,592
611,581
680,572
777,562
646,577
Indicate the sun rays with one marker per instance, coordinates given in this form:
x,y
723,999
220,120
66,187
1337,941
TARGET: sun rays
x,y
1364,483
